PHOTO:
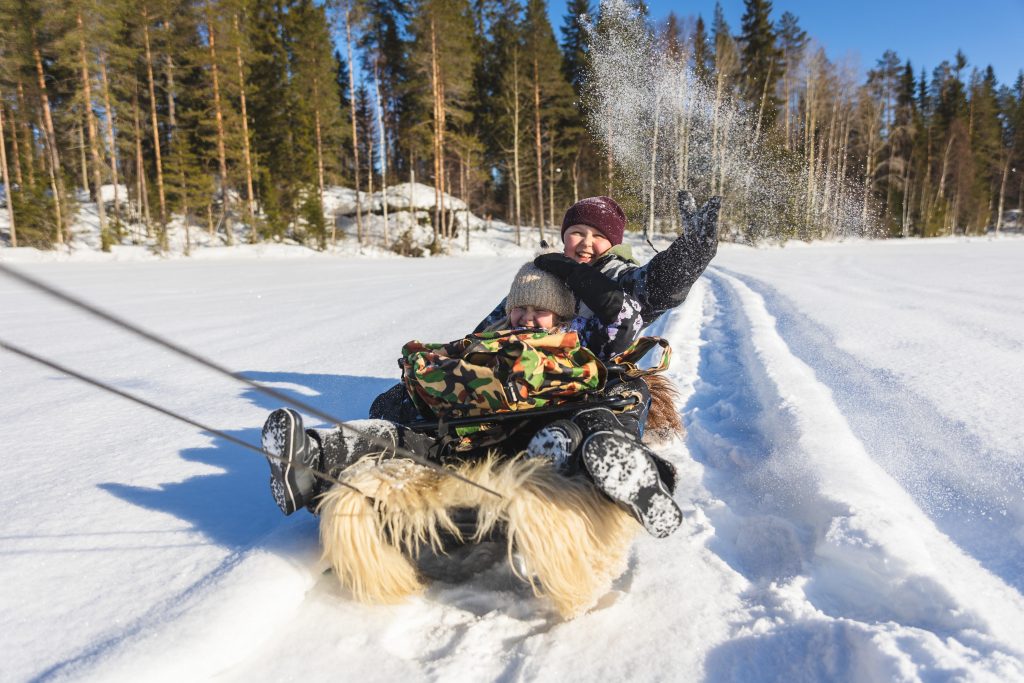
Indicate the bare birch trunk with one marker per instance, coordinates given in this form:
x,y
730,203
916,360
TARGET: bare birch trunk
x,y
383,151
826,157
515,143
722,150
111,141
925,192
250,197
83,164
30,150
161,195
537,142
355,133
1002,194
609,162
686,142
576,176
764,98
942,179
94,155
320,142
434,86
654,167
15,149
56,177
446,218
716,113
551,180
186,210
786,111
810,108
172,117
140,170
218,117
8,190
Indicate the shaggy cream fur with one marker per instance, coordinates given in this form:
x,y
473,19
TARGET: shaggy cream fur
x,y
572,541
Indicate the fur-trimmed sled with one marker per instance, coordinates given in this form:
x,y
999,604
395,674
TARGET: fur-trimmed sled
x,y
557,532
560,534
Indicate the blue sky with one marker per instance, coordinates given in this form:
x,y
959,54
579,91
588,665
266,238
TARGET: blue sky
x,y
925,31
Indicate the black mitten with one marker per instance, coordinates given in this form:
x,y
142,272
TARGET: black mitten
x,y
699,241
598,291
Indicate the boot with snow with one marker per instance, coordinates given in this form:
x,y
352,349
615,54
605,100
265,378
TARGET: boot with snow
x,y
291,481
340,447
556,442
627,472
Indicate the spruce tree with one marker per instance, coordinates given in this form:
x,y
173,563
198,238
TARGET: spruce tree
x,y
792,44
760,61
703,54
550,100
574,41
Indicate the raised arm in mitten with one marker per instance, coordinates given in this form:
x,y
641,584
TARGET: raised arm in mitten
x,y
599,292
671,272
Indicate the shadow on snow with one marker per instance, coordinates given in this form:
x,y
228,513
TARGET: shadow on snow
x,y
233,507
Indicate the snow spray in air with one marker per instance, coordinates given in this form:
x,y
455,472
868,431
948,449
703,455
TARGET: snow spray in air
x,y
666,129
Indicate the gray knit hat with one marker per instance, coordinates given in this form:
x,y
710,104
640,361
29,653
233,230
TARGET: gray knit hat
x,y
534,287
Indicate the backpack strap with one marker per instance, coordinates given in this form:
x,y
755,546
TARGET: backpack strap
x,y
645,356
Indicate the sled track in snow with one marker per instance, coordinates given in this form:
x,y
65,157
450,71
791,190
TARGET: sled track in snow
x,y
838,548
963,484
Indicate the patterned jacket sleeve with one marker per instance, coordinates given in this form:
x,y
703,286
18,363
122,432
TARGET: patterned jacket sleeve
x,y
660,285
493,318
611,339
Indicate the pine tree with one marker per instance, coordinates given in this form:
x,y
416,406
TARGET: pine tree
x,y
986,142
445,61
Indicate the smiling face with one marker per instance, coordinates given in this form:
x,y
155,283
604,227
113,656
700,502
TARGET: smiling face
x,y
528,316
584,243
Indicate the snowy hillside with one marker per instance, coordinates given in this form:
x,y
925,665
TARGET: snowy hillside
x,y
852,476
410,209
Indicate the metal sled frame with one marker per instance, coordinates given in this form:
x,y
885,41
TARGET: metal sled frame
x,y
616,403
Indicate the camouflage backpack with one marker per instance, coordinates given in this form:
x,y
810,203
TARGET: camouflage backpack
x,y
510,371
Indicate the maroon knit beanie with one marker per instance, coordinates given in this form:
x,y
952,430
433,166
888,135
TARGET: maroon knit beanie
x,y
597,212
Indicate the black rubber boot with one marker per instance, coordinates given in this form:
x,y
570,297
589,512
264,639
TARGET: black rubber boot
x,y
292,483
628,472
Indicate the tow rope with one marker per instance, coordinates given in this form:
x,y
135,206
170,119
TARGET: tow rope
x,y
71,300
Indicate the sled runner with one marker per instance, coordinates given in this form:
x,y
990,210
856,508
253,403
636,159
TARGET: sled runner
x,y
400,523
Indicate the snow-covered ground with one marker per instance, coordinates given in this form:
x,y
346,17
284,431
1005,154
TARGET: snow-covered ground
x,y
853,476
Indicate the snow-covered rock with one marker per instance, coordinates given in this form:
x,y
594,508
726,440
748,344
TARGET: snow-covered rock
x,y
107,193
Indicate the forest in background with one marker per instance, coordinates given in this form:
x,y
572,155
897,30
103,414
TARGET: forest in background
x,y
231,113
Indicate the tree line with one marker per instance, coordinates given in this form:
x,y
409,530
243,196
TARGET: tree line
x,y
233,114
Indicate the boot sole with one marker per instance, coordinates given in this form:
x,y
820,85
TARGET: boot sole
x,y
279,438
626,474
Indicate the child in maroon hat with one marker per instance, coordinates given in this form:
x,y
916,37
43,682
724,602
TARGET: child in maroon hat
x,y
591,227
